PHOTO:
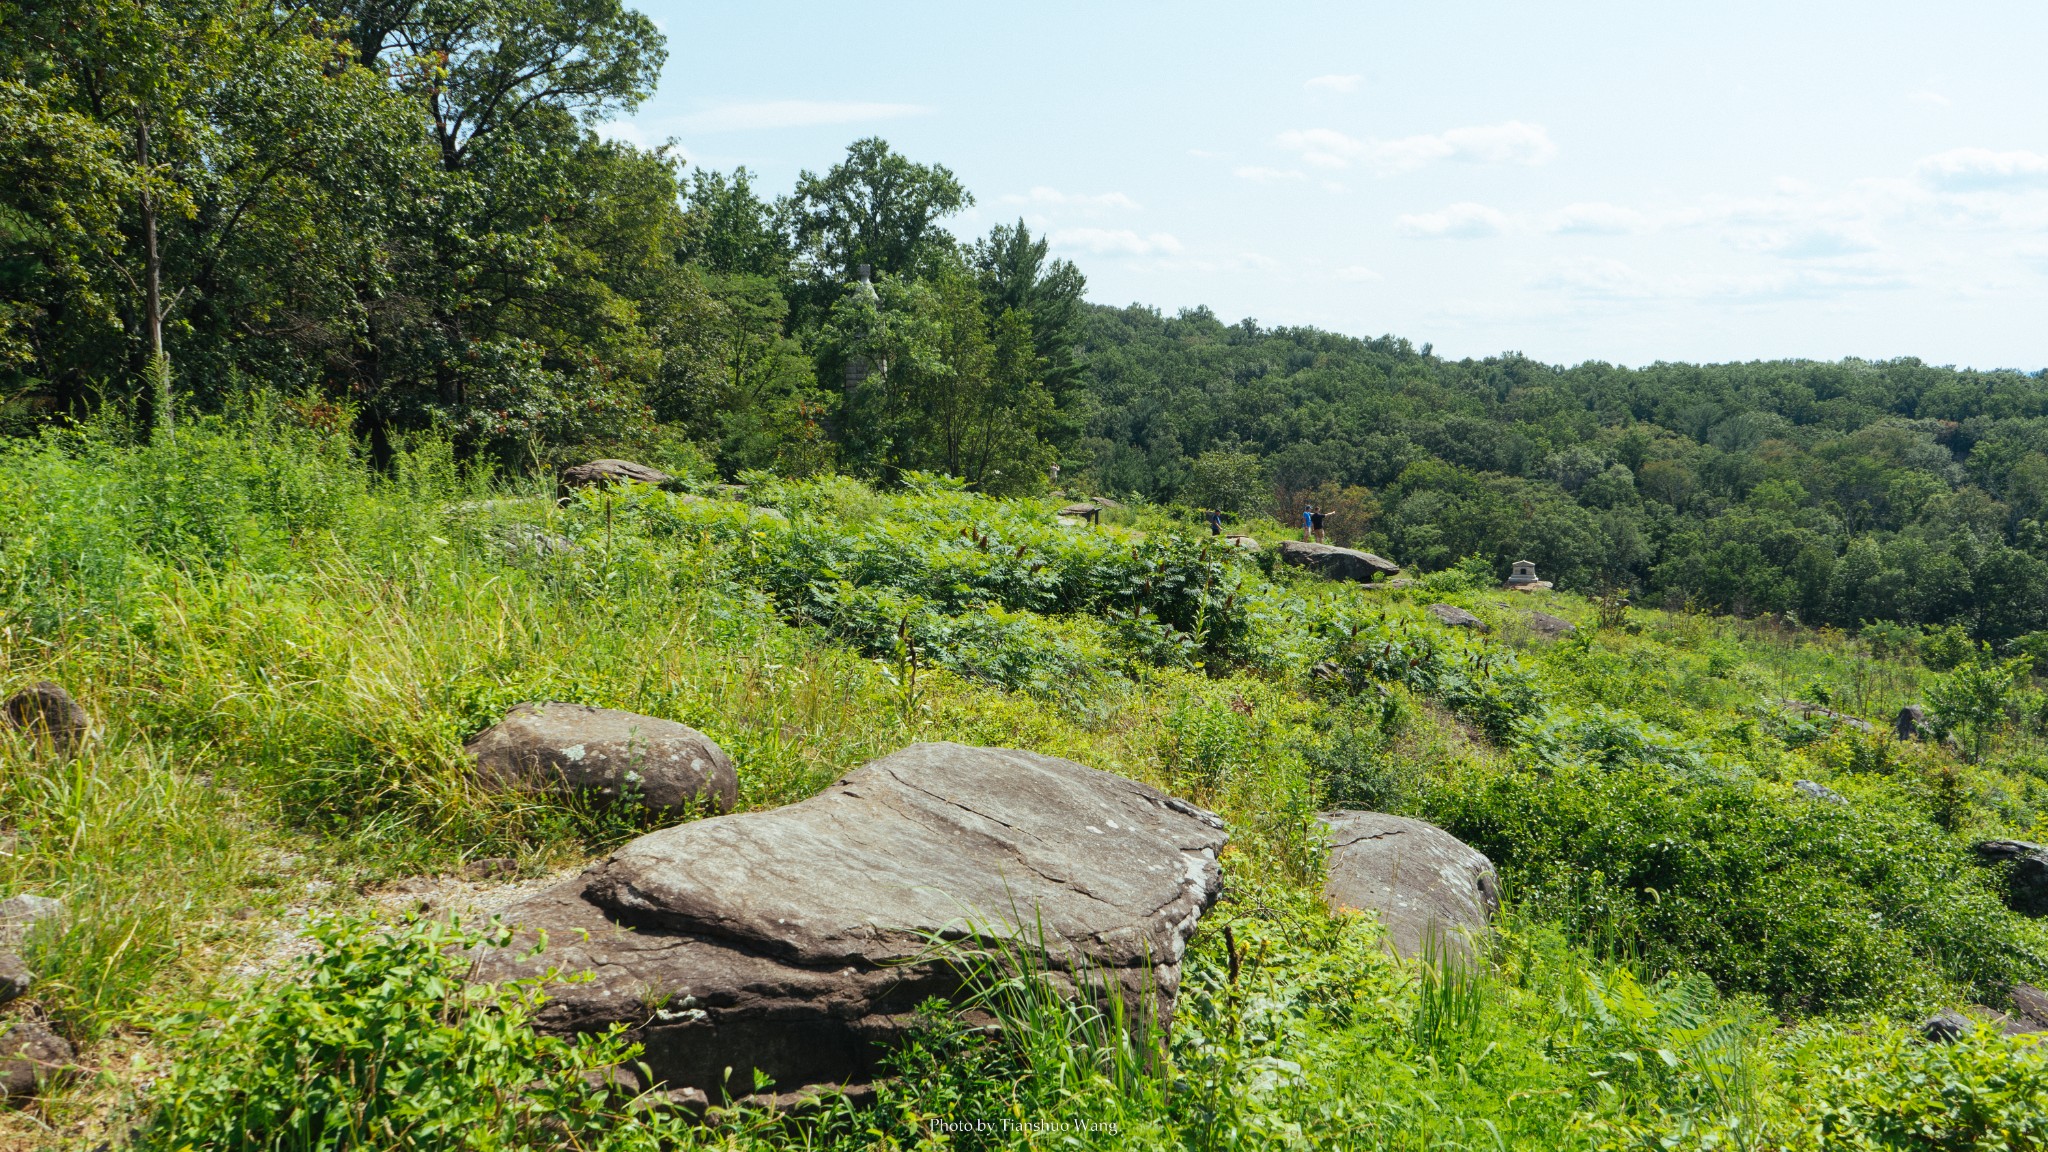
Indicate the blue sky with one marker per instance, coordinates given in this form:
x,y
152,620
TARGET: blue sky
x,y
1620,182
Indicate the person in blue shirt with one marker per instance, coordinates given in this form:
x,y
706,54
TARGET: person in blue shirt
x,y
1215,522
1308,522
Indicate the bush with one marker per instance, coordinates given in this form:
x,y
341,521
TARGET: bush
x,y
1817,907
377,1042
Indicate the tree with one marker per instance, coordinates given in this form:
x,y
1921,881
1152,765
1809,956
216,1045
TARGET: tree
x,y
1017,276
1227,480
729,230
222,138
876,208
937,386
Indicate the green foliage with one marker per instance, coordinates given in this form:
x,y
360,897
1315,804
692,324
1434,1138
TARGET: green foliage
x,y
1230,482
1885,1088
1976,700
379,1042
1944,648
255,600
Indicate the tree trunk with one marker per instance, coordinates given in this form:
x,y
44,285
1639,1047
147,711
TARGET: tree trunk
x,y
153,293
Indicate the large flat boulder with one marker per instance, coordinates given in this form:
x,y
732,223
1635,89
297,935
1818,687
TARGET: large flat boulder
x,y
1337,563
604,755
800,941
599,473
1421,880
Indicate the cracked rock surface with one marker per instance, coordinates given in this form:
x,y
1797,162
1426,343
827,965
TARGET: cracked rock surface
x,y
799,941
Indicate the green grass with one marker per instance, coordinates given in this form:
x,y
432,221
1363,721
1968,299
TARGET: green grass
x,y
285,653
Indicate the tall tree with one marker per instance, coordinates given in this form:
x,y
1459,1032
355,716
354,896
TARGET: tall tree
x,y
875,208
1018,275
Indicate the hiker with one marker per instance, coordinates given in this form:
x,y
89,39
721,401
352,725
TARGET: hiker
x,y
1215,522
1315,523
1308,522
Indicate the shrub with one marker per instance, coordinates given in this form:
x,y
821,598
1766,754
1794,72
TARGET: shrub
x,y
377,1042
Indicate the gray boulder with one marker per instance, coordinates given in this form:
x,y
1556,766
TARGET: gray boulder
x,y
607,472
1549,627
31,1056
1423,881
1820,792
1911,723
2026,873
1947,1026
1337,563
603,754
46,711
800,941
1451,616
20,913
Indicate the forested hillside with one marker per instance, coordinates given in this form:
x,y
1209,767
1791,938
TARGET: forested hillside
x,y
400,215
1838,493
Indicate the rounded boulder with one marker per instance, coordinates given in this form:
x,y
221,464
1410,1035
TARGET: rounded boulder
x,y
605,755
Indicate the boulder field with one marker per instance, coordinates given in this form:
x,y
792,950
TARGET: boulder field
x,y
798,942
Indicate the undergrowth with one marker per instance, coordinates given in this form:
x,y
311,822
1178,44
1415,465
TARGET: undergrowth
x,y
285,650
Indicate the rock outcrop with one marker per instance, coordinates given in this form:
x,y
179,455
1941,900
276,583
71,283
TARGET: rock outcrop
x,y
1337,563
1911,723
607,472
1550,627
2026,873
604,754
46,711
1451,616
800,941
1423,881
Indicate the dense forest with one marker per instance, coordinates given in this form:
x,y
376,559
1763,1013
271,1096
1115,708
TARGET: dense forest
x,y
399,214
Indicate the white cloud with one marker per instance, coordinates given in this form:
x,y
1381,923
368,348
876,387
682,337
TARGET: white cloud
x,y
1929,96
1819,241
1043,197
796,114
1466,221
1268,175
1335,84
1358,272
1981,170
1115,241
1512,142
1614,280
1598,218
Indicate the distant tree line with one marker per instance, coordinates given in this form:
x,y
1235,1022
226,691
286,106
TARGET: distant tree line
x,y
1836,493
399,211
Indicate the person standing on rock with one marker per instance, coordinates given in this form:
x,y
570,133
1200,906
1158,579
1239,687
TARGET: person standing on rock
x,y
1308,522
1315,520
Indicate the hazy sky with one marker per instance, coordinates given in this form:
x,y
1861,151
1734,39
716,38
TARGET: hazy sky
x,y
1622,182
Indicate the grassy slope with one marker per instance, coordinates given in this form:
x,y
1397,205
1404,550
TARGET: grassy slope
x,y
286,655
